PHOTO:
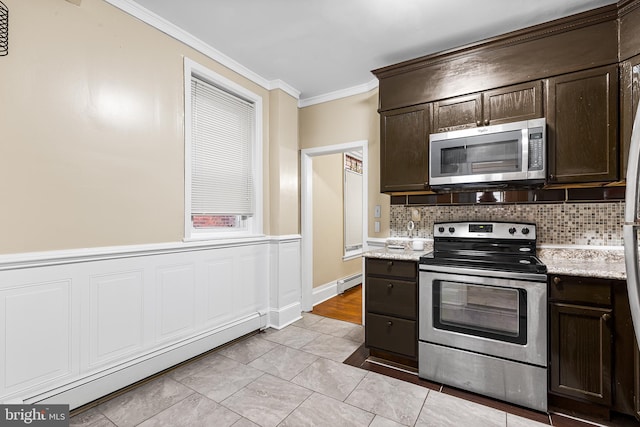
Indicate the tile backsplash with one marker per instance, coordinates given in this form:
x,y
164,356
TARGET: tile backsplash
x,y
595,224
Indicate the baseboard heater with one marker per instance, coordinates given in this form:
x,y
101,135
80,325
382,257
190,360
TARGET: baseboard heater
x,y
349,282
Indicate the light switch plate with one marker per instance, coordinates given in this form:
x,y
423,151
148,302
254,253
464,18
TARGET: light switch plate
x,y
376,225
377,212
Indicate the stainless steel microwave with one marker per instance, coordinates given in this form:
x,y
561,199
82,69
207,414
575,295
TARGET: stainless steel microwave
x,y
489,156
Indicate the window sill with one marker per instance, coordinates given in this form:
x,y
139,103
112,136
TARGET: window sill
x,y
352,255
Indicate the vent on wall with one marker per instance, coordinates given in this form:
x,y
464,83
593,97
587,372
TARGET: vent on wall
x,y
349,282
4,29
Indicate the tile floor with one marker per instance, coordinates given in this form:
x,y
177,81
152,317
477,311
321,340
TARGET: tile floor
x,y
291,377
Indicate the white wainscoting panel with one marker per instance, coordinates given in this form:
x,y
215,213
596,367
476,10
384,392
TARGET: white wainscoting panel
x,y
116,316
81,324
37,334
219,286
176,302
286,279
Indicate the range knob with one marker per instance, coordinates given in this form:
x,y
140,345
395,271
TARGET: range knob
x,y
451,229
512,230
441,229
525,231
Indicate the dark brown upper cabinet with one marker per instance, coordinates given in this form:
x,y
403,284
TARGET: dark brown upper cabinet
x,y
404,149
582,126
629,97
457,113
503,105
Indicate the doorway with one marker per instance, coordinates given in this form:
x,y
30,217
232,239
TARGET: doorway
x,y
307,155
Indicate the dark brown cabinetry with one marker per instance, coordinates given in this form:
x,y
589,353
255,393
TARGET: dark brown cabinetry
x,y
582,123
629,97
391,307
591,353
507,104
404,149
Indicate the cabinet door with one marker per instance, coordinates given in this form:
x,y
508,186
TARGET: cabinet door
x,y
404,149
580,358
582,123
512,103
629,97
457,113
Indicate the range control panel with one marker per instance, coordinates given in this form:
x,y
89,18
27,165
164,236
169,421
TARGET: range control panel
x,y
487,230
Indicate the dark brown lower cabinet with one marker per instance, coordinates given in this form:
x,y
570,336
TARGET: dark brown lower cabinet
x,y
591,348
581,352
391,310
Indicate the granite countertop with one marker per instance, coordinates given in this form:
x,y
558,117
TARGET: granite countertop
x,y
406,253
600,263
606,264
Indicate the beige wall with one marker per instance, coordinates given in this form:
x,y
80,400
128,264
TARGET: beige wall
x,y
350,119
328,222
92,147
284,164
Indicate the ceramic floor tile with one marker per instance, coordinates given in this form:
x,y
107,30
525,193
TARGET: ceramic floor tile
x,y
380,421
267,401
91,418
292,336
337,328
330,378
307,320
394,399
248,350
195,410
331,347
320,410
141,403
243,422
356,335
516,421
218,377
284,362
443,410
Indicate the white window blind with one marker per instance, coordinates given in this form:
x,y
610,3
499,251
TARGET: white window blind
x,y
222,132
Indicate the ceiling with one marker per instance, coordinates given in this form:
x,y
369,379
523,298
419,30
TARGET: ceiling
x,y
322,46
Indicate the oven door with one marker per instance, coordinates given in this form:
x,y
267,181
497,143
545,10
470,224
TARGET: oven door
x,y
501,317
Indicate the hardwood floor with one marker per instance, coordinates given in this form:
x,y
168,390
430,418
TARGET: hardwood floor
x,y
347,307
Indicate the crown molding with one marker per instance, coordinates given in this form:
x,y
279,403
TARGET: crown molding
x,y
284,86
145,15
338,94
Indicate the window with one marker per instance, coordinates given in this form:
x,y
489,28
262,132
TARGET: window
x,y
223,156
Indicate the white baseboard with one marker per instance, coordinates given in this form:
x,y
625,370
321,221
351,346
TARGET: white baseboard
x,y
324,292
279,319
90,389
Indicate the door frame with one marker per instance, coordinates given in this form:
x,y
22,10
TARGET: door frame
x,y
306,208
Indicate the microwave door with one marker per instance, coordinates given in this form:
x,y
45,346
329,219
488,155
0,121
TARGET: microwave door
x,y
482,158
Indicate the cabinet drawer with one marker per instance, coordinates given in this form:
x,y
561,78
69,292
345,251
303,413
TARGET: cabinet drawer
x,y
587,290
391,334
392,297
388,267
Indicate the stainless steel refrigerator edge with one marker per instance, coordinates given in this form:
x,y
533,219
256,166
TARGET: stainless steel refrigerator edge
x,y
632,224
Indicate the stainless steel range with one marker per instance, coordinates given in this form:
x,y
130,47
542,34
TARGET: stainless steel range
x,y
483,311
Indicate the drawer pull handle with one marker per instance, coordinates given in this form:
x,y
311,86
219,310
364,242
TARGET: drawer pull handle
x,y
389,323
390,264
557,280
606,317
390,285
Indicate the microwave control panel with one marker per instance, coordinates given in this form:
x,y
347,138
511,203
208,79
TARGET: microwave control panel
x,y
536,149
